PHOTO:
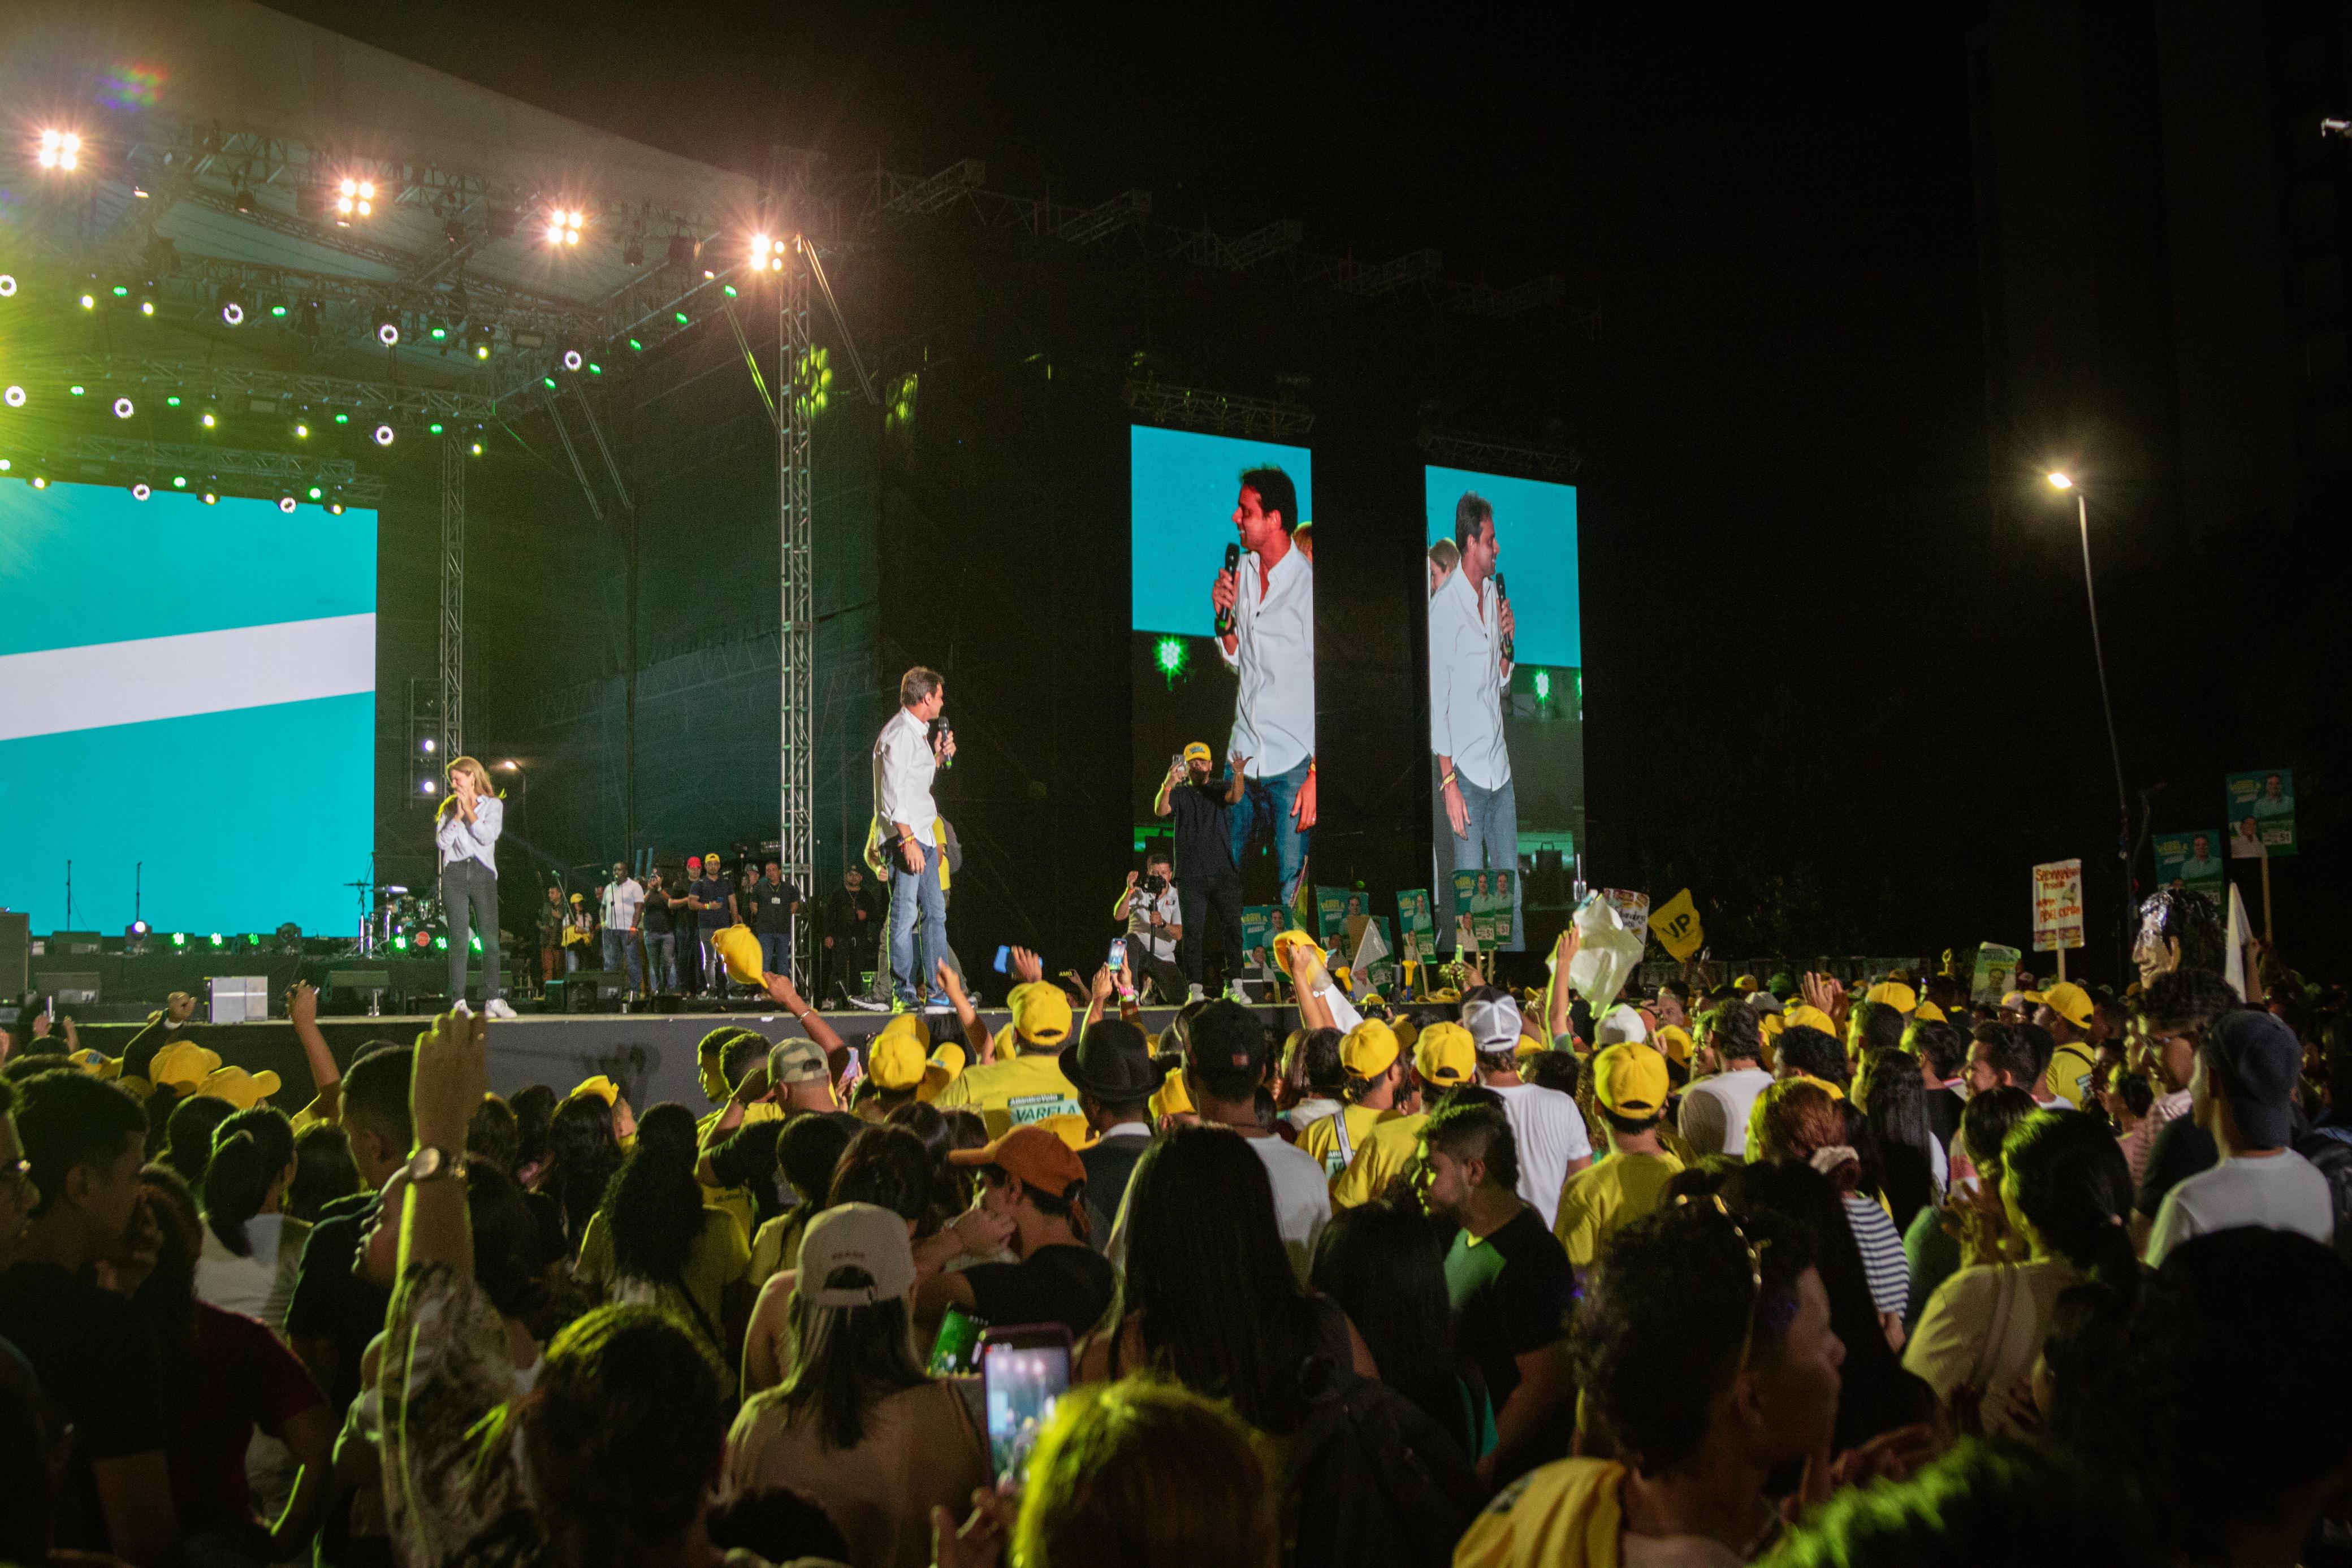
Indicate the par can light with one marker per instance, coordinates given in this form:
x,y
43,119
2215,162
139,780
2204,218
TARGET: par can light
x,y
383,435
139,491
14,397
7,285
123,409
285,503
387,334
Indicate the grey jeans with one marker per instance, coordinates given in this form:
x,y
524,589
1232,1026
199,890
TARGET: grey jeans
x,y
1492,845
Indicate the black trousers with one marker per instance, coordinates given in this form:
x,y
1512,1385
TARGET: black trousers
x,y
1195,896
470,899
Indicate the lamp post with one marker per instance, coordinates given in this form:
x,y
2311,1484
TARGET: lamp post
x,y
2062,480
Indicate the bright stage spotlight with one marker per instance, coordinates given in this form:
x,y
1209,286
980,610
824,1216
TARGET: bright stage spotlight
x,y
59,149
335,508
572,360
767,255
7,285
124,408
233,312
139,491
207,419
40,481
383,435
212,498
563,225
14,397
285,503
354,198
388,333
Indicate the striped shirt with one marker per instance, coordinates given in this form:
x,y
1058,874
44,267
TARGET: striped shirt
x,y
1882,1253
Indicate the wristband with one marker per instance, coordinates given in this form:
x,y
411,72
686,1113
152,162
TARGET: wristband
x,y
1441,783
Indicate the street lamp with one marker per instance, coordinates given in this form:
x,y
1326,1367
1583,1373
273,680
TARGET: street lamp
x,y
2062,480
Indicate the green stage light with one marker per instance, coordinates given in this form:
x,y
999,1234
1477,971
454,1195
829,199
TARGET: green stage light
x,y
595,369
179,481
477,944
682,317
121,292
1543,686
435,428
640,347
729,289
1171,657
216,940
441,944
171,403
179,938
277,310
342,419
316,493
75,390
550,380
439,333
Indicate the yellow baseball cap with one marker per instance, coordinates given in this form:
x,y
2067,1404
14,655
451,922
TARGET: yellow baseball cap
x,y
1444,1053
1198,750
1369,1050
602,1087
182,1066
895,1061
914,1026
1894,994
1631,1080
1040,1012
1171,1098
2069,1001
241,1089
97,1064
944,1067
1675,1040
739,947
1295,938
1804,1015
1930,1013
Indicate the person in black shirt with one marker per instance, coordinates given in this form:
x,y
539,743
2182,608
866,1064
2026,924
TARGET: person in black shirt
x,y
334,1313
1509,1282
774,902
661,935
1112,1069
852,919
84,1141
1033,1201
714,905
1205,874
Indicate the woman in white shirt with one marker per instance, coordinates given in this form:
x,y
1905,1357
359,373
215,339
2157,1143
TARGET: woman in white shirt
x,y
248,1258
2067,1194
467,833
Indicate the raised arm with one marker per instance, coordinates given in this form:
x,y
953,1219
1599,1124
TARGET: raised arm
x,y
326,1078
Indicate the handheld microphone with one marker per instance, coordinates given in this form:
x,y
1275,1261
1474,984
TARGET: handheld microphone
x,y
1502,593
942,730
1233,564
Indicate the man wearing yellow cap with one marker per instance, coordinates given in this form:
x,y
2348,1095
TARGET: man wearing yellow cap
x,y
1206,876
2065,1010
1443,1059
1629,1084
1024,1086
1375,1067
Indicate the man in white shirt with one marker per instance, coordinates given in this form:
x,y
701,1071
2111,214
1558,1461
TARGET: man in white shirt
x,y
1713,1117
1549,1131
1155,924
1271,645
2241,1091
901,840
1470,624
618,908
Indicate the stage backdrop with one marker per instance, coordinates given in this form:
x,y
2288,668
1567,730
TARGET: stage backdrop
x,y
1512,730
187,705
1183,492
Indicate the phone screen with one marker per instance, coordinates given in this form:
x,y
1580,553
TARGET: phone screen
x,y
956,1352
1023,1374
1118,952
1004,958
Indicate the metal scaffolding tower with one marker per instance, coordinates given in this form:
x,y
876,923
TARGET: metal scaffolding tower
x,y
796,662
453,596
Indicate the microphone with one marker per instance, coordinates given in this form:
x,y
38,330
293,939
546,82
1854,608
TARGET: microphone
x,y
1232,563
942,730
1502,593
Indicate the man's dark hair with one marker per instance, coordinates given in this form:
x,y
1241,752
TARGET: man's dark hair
x,y
1986,1120
1219,1033
67,1120
808,1150
1998,1500
1275,493
741,1054
2186,999
493,1136
776,1525
917,684
1476,1133
2039,1044
1472,516
375,1094
1880,1025
1662,1324
1552,1070
1736,1032
1943,1046
1813,1053
2007,1050
1159,857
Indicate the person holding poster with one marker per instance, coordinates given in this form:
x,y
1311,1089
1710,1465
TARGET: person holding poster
x,y
1265,634
1470,632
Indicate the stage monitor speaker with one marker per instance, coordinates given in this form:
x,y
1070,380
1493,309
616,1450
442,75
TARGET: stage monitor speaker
x,y
16,953
72,989
588,991
75,944
239,998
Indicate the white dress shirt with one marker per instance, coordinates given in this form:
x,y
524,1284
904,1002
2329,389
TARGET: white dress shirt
x,y
1465,681
476,840
1274,721
1139,910
903,767
620,903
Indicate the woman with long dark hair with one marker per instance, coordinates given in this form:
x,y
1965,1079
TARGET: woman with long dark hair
x,y
226,1375
1797,1120
1381,1262
1208,1296
652,1238
465,833
251,1246
1893,1098
2068,1195
857,1424
582,1156
323,1172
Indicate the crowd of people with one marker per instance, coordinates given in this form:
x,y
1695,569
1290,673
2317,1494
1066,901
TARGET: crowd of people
x,y
1767,1271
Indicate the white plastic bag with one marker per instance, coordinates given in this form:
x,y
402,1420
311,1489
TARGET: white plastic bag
x,y
1606,954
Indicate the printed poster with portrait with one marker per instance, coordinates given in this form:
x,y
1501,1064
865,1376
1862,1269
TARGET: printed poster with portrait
x,y
1416,925
2262,813
1259,922
2195,861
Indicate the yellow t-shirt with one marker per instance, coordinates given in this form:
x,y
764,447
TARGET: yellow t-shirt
x,y
2070,1070
715,1260
1386,1153
735,1200
1567,1514
1028,1090
777,1245
1321,1139
1599,1198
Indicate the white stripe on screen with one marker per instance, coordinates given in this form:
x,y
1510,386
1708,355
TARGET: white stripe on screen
x,y
59,689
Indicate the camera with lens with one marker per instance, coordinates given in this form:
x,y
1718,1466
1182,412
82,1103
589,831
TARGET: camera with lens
x,y
1155,885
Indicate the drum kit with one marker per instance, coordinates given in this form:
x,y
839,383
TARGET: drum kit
x,y
396,922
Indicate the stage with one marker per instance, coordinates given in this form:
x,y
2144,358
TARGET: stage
x,y
650,1055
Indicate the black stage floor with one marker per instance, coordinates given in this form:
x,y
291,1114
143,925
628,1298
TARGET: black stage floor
x,y
651,1054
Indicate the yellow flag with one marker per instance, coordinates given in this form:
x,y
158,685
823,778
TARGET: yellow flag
x,y
1675,925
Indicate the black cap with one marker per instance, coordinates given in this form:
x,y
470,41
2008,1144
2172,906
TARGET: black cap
x,y
1227,1046
1111,1062
2256,1060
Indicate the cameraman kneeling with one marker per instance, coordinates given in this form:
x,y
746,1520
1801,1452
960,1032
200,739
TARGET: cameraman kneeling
x,y
1153,926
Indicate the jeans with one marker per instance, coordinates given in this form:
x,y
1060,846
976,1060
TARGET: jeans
x,y
714,967
621,946
776,952
1492,845
1267,800
1195,896
914,895
661,960
469,893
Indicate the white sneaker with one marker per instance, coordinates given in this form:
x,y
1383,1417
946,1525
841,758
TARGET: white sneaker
x,y
869,1004
497,1008
1234,993
1193,995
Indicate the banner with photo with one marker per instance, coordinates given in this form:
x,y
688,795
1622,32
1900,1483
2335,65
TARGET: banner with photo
x,y
1995,975
2194,860
1259,922
2262,813
1416,925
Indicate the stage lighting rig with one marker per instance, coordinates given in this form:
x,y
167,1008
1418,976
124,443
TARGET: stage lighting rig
x,y
564,225
59,151
768,253
354,198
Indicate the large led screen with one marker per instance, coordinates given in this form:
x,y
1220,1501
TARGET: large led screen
x,y
1506,700
187,710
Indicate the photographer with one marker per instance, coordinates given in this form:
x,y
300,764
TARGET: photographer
x,y
1154,926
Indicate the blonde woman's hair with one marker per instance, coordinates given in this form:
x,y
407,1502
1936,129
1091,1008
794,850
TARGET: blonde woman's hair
x,y
483,783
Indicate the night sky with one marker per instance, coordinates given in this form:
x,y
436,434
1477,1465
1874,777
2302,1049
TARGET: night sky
x,y
1824,688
